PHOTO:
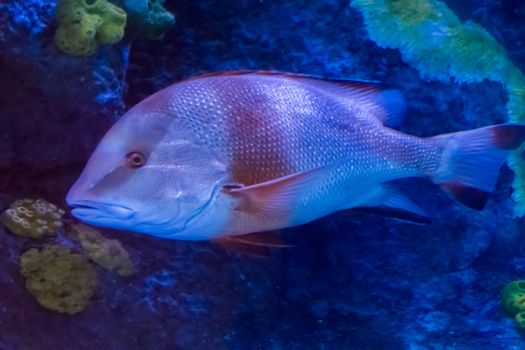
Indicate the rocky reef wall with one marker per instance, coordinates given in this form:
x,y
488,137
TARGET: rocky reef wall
x,y
352,281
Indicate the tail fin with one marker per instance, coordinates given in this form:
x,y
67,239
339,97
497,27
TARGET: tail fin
x,y
471,161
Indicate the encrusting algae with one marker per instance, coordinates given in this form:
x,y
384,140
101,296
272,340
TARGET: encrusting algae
x,y
33,218
58,279
105,252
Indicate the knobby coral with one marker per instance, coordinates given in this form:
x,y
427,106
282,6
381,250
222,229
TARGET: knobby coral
x,y
59,280
105,252
32,218
433,40
513,300
84,24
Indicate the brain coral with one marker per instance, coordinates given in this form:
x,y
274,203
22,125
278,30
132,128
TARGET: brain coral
x,y
32,218
59,280
105,252
84,24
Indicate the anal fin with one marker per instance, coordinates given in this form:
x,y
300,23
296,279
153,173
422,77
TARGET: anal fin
x,y
387,200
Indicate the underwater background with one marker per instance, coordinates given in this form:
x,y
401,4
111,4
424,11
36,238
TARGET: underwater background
x,y
351,280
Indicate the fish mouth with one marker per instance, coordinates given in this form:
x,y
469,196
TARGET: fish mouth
x,y
94,211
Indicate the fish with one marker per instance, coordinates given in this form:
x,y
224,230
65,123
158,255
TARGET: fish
x,y
228,154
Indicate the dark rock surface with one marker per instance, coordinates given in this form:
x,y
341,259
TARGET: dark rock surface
x,y
352,281
54,107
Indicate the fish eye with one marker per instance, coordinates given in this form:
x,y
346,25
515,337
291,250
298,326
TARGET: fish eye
x,y
135,159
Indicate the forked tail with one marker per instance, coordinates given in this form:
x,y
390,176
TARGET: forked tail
x,y
471,161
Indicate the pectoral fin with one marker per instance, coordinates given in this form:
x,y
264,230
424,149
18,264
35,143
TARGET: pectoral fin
x,y
387,200
278,195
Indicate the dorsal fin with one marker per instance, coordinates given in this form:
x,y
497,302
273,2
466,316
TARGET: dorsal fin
x,y
387,105
365,85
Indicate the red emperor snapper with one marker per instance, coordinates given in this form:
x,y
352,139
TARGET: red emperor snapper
x,y
239,152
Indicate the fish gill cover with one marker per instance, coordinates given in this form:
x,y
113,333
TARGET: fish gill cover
x,y
351,280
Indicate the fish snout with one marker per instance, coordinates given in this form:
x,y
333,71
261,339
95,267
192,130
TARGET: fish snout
x,y
86,206
78,192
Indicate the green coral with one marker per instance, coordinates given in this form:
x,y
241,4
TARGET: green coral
x,y
59,280
433,40
513,300
33,218
84,24
412,12
148,19
513,297
520,321
105,252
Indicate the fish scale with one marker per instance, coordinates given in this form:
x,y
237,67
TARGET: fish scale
x,y
277,127
267,140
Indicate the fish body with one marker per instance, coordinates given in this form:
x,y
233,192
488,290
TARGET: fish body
x,y
235,153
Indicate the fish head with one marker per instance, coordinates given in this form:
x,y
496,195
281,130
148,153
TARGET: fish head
x,y
148,176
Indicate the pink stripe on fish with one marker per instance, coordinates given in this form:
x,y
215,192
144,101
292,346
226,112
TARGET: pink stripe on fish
x,y
257,143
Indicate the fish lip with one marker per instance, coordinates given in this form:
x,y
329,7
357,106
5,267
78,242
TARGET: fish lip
x,y
94,209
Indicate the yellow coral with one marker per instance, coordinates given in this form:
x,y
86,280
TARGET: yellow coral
x,y
59,280
105,252
84,24
32,218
